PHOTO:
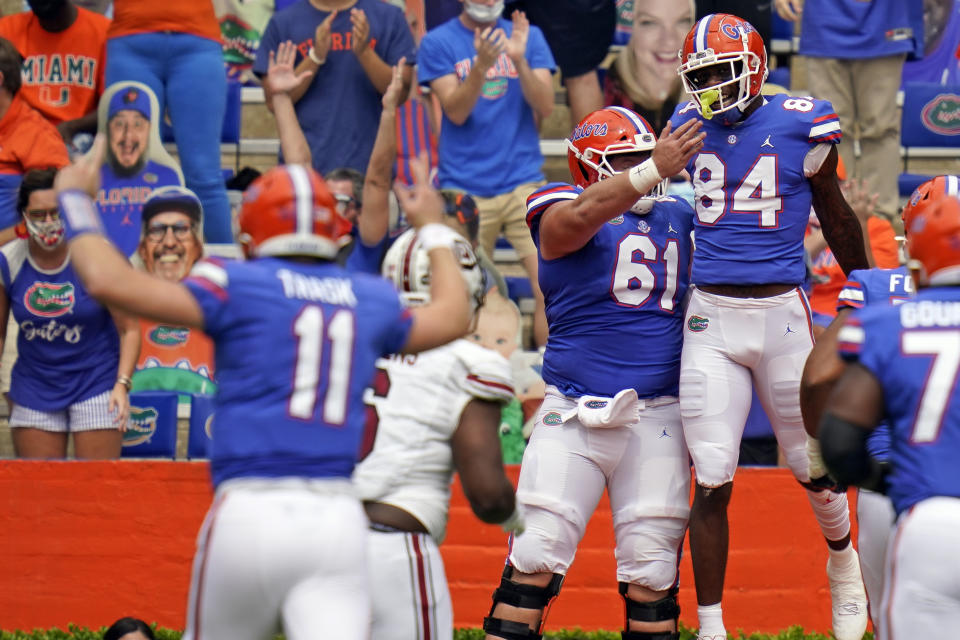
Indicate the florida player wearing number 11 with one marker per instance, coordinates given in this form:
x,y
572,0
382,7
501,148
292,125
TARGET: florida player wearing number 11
x,y
296,338
764,162
614,265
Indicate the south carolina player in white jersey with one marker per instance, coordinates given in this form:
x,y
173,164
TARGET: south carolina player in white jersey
x,y
614,266
764,161
296,339
431,413
904,363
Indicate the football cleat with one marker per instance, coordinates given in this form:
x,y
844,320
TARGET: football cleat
x,y
848,598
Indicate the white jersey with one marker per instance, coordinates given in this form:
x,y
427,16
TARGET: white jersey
x,y
411,463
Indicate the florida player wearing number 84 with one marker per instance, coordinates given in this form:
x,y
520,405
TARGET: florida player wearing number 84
x,y
764,162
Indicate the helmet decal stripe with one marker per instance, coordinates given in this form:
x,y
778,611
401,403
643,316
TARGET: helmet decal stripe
x,y
953,186
632,117
303,197
700,42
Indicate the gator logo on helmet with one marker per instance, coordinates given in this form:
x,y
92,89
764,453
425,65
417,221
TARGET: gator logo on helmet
x,y
50,299
942,114
167,336
697,324
553,418
143,424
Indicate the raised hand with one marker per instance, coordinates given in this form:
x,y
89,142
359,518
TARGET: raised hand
x,y
489,43
360,35
321,37
391,97
675,148
421,203
84,173
789,9
863,203
280,75
517,44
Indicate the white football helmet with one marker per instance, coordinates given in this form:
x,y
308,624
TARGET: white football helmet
x,y
407,265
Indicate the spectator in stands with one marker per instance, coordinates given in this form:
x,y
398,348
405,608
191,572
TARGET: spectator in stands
x,y
73,370
171,241
941,35
368,239
349,47
579,33
643,77
27,140
854,55
493,80
174,48
130,174
64,51
129,629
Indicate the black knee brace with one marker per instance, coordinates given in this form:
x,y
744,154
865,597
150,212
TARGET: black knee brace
x,y
662,610
824,483
523,596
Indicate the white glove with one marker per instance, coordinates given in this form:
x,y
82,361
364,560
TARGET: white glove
x,y
816,467
516,523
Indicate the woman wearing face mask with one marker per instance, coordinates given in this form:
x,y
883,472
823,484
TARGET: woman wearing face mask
x,y
644,76
76,356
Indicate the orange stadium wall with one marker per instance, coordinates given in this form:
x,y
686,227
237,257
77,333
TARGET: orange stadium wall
x,y
88,542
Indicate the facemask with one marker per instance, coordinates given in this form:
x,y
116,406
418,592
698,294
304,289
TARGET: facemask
x,y
482,12
48,234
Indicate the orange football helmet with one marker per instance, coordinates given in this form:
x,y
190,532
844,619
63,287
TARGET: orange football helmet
x,y
603,133
289,211
931,220
733,46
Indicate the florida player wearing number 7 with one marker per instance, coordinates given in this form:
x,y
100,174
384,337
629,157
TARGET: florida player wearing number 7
x,y
903,363
614,262
763,162
296,338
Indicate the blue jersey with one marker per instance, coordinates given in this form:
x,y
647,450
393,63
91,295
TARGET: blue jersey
x,y
68,344
854,29
913,350
120,201
614,306
295,348
751,193
876,286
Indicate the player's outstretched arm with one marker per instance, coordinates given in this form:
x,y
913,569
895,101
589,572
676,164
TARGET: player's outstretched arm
x,y
447,316
568,225
852,412
840,224
479,462
106,274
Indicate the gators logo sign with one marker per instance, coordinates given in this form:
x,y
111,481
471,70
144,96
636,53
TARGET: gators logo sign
x,y
942,114
143,424
167,336
50,299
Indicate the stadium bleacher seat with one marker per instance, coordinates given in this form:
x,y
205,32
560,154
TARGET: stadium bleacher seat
x,y
153,430
930,122
908,182
201,412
